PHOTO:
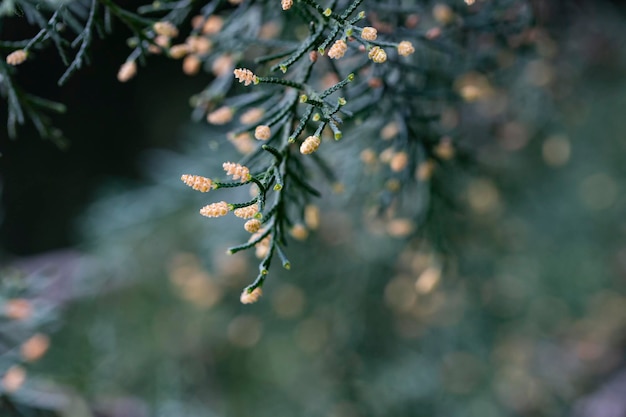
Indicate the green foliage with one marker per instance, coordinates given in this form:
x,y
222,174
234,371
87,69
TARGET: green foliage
x,y
69,27
457,274
300,93
28,315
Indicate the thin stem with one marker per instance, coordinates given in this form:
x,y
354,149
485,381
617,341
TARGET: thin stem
x,y
280,81
87,34
250,244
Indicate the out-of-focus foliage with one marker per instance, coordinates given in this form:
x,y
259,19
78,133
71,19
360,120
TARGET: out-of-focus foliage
x,y
514,305
30,296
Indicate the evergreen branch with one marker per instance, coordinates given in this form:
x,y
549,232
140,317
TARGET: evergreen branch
x,y
235,249
281,81
303,121
322,48
283,258
273,151
77,63
337,86
351,9
271,57
304,47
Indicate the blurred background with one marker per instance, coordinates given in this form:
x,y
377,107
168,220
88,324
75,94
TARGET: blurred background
x,y
119,300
